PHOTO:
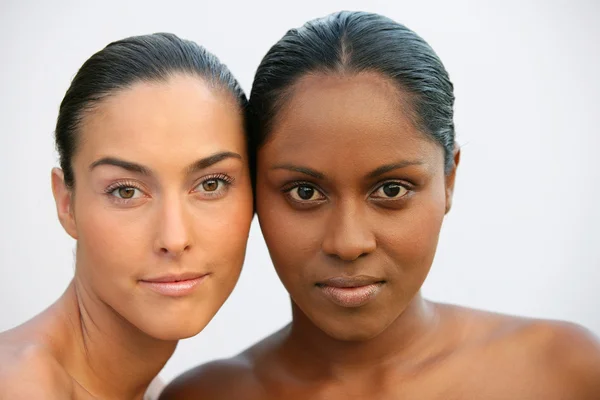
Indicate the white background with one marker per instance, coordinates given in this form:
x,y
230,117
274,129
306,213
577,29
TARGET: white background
x,y
523,236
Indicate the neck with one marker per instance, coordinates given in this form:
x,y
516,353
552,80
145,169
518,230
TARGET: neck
x,y
408,341
111,357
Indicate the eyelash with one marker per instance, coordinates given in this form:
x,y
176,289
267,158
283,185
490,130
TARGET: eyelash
x,y
226,179
286,189
222,177
408,186
291,185
120,185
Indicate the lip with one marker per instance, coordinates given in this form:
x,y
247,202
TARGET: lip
x,y
174,285
351,292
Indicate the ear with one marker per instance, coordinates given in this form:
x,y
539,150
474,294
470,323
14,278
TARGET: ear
x,y
63,199
450,177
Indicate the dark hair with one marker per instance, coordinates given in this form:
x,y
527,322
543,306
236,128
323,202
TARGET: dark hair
x,y
119,65
353,42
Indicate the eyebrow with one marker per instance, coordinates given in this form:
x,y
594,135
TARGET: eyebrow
x,y
302,170
141,169
211,160
117,162
390,167
374,174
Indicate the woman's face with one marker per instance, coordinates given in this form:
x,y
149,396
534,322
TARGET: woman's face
x,y
162,204
351,198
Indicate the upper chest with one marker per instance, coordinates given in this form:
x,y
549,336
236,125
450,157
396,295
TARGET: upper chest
x,y
462,378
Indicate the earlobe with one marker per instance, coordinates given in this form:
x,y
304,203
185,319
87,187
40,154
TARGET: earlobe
x,y
63,199
451,176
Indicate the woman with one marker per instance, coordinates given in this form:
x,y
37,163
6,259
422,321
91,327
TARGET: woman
x,y
154,186
356,164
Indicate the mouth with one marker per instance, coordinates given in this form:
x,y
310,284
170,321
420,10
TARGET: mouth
x,y
351,292
174,285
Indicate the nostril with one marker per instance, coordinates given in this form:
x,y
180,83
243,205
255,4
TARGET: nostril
x,y
174,250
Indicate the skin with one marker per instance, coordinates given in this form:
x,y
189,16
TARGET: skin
x,y
162,187
397,345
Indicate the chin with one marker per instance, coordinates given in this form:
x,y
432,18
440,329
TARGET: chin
x,y
174,332
173,329
175,335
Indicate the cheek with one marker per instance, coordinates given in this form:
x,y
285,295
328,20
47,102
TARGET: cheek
x,y
224,231
110,239
291,236
411,239
294,240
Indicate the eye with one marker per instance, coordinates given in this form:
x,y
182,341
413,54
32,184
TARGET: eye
x,y
213,186
389,191
126,192
304,192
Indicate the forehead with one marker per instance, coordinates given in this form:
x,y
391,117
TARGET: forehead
x,y
182,116
357,115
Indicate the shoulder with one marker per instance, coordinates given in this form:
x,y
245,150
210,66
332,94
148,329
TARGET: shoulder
x,y
217,379
559,344
520,333
565,354
30,372
244,376
556,358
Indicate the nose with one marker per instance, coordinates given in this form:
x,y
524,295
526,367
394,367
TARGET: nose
x,y
348,235
173,236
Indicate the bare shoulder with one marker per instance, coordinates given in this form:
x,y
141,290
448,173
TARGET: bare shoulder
x,y
240,377
565,354
220,379
534,355
28,371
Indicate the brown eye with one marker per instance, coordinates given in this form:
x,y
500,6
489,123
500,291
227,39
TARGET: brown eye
x,y
126,192
391,190
210,185
212,188
305,193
